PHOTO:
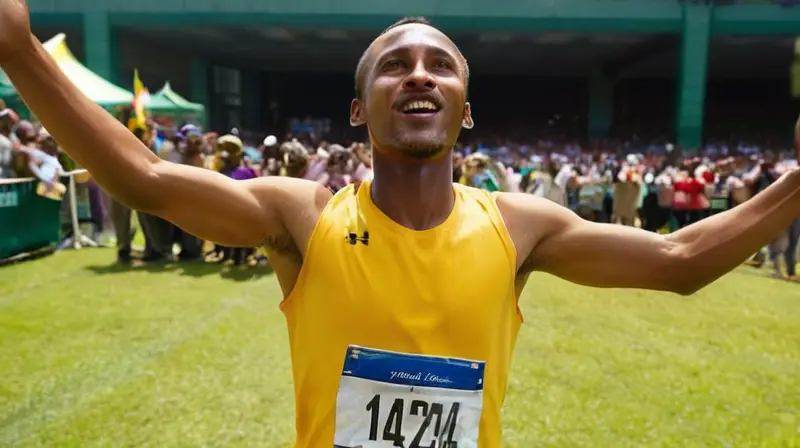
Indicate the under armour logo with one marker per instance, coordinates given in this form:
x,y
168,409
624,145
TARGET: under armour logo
x,y
354,239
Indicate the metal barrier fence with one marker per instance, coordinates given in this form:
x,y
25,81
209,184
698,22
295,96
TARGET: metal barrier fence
x,y
30,222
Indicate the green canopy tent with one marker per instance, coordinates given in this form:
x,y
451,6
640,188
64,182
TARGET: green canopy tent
x,y
160,105
6,89
167,102
9,95
92,85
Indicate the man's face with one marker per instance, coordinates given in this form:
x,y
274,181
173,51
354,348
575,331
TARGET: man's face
x,y
414,100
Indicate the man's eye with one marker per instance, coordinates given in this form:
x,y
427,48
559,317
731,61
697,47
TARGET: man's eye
x,y
394,64
441,63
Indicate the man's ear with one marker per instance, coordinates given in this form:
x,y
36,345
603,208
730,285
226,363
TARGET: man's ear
x,y
357,117
467,122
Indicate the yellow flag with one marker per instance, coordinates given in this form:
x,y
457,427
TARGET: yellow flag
x,y
138,85
141,97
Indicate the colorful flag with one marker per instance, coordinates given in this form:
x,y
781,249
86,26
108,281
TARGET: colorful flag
x,y
141,96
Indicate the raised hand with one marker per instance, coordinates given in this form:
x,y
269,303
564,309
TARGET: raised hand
x,y
15,28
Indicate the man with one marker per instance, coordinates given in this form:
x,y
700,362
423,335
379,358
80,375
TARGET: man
x,y
158,244
158,233
556,181
627,191
177,149
235,166
378,279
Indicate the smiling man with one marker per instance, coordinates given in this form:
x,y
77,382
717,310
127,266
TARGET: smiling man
x,y
400,295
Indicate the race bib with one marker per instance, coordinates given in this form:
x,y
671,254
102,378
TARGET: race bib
x,y
389,399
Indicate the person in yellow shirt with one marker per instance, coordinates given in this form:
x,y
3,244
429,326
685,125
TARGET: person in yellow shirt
x,y
396,337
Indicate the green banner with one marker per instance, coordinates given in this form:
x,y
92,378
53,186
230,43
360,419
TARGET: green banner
x,y
28,222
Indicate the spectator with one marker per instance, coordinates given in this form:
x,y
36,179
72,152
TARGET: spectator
x,y
43,163
23,136
157,239
234,165
627,191
157,231
7,170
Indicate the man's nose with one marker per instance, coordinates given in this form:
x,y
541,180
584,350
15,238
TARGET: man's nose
x,y
419,79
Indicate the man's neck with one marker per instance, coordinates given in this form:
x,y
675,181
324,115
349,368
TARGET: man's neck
x,y
418,196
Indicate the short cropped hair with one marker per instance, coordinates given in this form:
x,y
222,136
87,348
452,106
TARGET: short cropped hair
x,y
361,67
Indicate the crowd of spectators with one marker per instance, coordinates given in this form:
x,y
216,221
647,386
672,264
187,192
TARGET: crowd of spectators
x,y
634,181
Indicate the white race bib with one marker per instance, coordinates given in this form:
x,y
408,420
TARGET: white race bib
x,y
389,399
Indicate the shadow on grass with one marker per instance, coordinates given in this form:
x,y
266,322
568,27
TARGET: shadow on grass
x,y
190,268
28,256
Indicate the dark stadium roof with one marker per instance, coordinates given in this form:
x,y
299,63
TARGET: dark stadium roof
x,y
541,54
545,54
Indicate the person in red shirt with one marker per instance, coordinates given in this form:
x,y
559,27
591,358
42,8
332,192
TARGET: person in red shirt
x,y
690,203
682,185
701,203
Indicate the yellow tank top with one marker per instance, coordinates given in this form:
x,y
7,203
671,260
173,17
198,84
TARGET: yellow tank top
x,y
448,291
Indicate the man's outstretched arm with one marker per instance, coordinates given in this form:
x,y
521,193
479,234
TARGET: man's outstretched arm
x,y
204,203
607,255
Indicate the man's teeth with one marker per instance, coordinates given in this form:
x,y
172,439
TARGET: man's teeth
x,y
420,106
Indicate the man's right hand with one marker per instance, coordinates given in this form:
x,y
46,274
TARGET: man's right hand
x,y
15,28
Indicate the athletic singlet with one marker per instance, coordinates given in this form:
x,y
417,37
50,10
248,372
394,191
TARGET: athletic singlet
x,y
401,337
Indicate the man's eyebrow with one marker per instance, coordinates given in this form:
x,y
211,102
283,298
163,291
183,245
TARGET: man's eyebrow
x,y
442,52
401,49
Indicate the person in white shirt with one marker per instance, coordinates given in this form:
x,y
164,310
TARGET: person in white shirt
x,y
43,162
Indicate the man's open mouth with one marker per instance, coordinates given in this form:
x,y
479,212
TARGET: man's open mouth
x,y
420,107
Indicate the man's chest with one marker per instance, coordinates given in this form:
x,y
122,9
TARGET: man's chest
x,y
407,292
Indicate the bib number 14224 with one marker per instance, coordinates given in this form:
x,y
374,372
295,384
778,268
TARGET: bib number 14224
x,y
389,399
434,417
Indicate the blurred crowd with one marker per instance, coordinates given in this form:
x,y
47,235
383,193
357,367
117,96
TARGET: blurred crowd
x,y
27,150
653,185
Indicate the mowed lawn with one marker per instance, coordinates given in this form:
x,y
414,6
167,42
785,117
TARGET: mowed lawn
x,y
189,355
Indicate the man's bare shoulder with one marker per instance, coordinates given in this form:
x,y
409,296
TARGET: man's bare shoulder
x,y
289,192
529,219
298,204
288,184
525,206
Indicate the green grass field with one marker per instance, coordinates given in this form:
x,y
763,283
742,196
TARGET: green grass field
x,y
189,355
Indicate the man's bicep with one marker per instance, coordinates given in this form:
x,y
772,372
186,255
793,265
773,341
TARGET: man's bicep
x,y
603,255
213,207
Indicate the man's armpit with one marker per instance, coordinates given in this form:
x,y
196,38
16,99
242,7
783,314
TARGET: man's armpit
x,y
283,245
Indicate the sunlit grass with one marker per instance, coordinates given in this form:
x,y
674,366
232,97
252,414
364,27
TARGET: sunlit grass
x,y
184,355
